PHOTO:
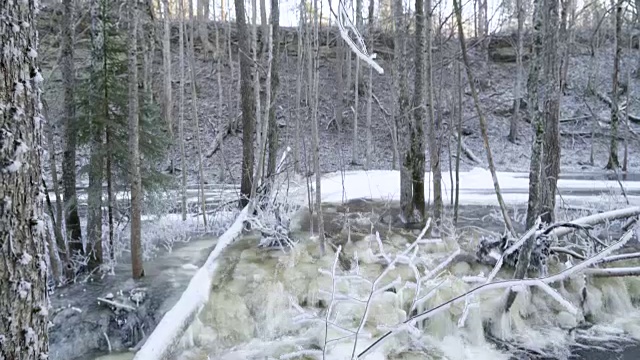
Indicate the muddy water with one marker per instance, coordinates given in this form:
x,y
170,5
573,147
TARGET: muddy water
x,y
273,304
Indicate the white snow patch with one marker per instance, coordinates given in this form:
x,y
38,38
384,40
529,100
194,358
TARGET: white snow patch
x,y
189,267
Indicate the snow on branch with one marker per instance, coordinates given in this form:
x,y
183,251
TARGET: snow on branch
x,y
175,322
345,24
542,283
599,218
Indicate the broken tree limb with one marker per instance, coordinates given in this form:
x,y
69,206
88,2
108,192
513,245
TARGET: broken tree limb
x,y
606,100
611,272
116,304
506,284
385,111
599,218
470,155
222,133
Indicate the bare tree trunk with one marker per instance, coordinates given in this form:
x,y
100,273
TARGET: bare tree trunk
x,y
535,167
613,162
24,301
72,220
134,146
513,128
275,82
203,19
456,207
434,131
339,82
354,143
61,247
401,115
167,102
417,157
194,111
483,123
369,149
551,151
248,104
299,75
316,136
183,160
110,196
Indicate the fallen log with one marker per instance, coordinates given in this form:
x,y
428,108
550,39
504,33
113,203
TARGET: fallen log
x,y
470,155
176,321
222,134
598,219
606,100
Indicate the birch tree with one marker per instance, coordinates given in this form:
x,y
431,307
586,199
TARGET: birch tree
x,y
134,146
23,297
248,103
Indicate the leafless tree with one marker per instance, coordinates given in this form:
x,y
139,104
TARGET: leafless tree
x,y
613,162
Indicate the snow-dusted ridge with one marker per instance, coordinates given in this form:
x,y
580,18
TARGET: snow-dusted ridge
x,y
177,320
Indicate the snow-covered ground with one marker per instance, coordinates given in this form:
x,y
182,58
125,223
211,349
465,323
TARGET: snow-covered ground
x,y
261,301
476,187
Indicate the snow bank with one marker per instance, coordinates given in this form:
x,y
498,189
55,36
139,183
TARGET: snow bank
x,y
476,187
177,320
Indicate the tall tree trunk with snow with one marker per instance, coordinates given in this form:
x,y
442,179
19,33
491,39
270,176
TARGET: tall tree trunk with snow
x,y
134,145
434,131
401,114
481,118
194,112
183,160
613,162
513,128
416,158
551,150
459,91
72,219
23,271
275,83
248,103
369,142
356,107
96,160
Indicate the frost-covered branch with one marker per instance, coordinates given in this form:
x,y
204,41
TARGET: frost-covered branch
x,y
541,282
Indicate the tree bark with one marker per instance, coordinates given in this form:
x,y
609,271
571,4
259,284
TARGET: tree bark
x,y
194,112
23,271
551,151
417,157
167,103
137,269
248,104
316,136
203,31
72,220
513,128
613,162
434,131
339,82
275,83
183,160
402,110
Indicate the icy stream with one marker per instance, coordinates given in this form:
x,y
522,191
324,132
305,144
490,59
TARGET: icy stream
x,y
272,305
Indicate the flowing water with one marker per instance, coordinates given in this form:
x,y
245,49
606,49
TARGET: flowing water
x,y
271,304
